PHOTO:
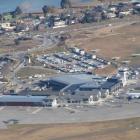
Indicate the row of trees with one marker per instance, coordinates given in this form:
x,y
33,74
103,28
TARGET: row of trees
x,y
14,13
17,11
64,5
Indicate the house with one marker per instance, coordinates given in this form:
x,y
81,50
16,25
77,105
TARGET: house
x,y
21,28
111,15
7,17
55,22
7,26
113,8
110,86
59,24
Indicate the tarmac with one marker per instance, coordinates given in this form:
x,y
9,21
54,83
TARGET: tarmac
x,y
73,114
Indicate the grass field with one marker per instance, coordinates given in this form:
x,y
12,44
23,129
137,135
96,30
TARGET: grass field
x,y
111,130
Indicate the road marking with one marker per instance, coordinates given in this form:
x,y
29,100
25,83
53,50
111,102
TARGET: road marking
x,y
1,108
37,110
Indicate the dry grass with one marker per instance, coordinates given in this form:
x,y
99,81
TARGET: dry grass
x,y
109,70
31,71
93,2
7,45
115,42
111,130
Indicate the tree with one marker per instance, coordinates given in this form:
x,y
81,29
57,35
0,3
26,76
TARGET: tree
x,y
51,21
30,15
65,4
36,27
1,17
13,14
88,17
101,1
45,10
17,42
18,10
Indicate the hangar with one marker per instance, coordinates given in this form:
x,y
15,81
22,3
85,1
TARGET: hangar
x,y
18,100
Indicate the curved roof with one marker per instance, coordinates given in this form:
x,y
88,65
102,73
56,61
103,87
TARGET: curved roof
x,y
76,78
19,98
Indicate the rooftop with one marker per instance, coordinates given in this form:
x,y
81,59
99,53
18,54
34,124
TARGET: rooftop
x,y
17,98
134,91
91,85
76,78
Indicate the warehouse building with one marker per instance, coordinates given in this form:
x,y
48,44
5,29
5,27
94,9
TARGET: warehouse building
x,y
18,100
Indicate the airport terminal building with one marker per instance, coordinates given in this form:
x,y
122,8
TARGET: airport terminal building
x,y
70,82
77,88
67,88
